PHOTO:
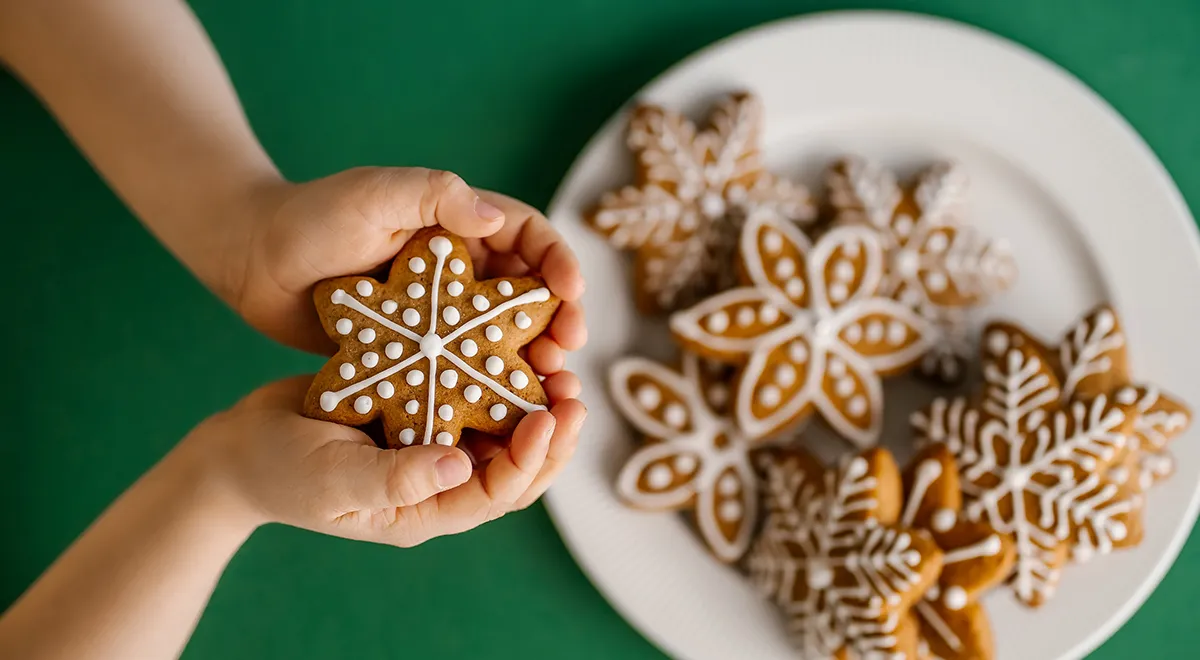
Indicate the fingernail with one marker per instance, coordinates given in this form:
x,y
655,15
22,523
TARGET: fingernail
x,y
451,471
487,211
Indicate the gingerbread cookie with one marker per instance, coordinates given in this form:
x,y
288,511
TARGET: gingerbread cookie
x,y
808,329
954,626
431,350
1036,466
834,559
693,189
695,458
936,265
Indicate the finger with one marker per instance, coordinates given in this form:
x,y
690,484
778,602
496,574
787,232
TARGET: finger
x,y
286,394
409,198
570,415
504,264
568,328
528,234
545,356
373,478
562,386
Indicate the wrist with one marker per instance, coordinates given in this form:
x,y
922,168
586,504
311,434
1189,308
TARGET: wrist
x,y
196,478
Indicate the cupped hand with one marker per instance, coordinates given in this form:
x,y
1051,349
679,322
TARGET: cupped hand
x,y
328,478
356,221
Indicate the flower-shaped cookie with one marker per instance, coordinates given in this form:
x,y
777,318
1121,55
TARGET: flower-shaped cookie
x,y
431,350
936,265
693,190
695,457
832,557
809,328
1036,467
954,626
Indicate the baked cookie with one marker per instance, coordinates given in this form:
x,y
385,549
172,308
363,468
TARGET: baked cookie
x,y
1036,465
935,264
692,191
954,626
832,556
808,328
694,458
431,350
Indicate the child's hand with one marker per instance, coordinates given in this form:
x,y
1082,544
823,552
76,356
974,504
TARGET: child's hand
x,y
352,222
281,467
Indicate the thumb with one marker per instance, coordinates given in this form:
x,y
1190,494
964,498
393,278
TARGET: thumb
x,y
381,478
416,197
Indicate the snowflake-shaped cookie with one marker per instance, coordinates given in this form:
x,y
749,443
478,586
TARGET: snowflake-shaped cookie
x,y
692,192
833,558
936,265
694,458
954,625
432,350
1033,466
809,328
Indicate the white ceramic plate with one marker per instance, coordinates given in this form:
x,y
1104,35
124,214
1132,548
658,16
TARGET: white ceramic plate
x,y
1090,214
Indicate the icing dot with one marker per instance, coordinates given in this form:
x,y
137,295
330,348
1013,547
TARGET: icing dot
x,y
366,335
943,520
857,406
685,463
1117,530
445,412
897,332
364,288
412,406
385,389
785,268
407,436
344,326
346,371
440,246
874,331
370,359
772,242
954,598
362,405
469,348
444,439
450,315
837,367
648,396
838,292
712,205
457,266
937,243
472,393
769,396
730,511
389,306
454,288
728,484
853,333
518,379
936,282
843,270
1127,396
498,411
717,322
658,477
819,575
794,287
768,313
449,378
906,263
997,342
1119,475
744,316
329,401
393,350
493,333
505,288
675,415
902,225
416,265
411,317
845,386
415,377
798,352
481,303
785,375
416,290
523,321
494,365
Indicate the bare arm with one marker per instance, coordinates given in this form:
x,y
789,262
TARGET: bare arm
x,y
139,87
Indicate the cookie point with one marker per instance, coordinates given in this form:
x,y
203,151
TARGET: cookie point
x,y
955,598
540,294
440,246
329,401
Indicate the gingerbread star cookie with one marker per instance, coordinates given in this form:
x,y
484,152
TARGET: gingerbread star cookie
x,y
833,557
935,263
809,329
1034,465
431,350
954,626
692,191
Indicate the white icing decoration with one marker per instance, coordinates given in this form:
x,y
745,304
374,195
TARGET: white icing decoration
x,y
729,511
449,378
415,290
472,393
366,335
518,379
469,348
329,401
364,288
454,288
785,374
393,350
445,412
498,411
784,268
480,303
407,436
385,389
988,547
728,485
522,321
658,477
346,371
494,365
457,266
717,322
412,406
450,315
493,333
772,242
362,405
745,316
685,463
344,326
370,359
389,306
943,520
416,265
415,377
411,317
955,598
440,246
675,415
794,287
505,288
896,333
769,396
445,439
926,474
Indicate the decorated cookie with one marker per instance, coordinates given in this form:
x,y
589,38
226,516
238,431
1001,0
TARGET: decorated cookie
x,y
431,350
832,556
1036,465
935,264
694,457
693,189
954,626
808,329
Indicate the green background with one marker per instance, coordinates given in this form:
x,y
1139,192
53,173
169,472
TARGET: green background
x,y
505,93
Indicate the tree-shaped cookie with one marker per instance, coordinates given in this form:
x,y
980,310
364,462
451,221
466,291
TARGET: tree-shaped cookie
x,y
936,264
832,556
808,328
431,350
694,458
954,626
693,189
1033,466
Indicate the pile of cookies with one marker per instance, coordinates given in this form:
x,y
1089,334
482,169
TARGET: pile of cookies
x,y
785,309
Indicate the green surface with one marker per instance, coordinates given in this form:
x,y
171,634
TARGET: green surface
x,y
506,93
